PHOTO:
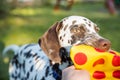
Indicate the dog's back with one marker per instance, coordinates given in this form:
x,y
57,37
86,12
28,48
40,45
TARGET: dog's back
x,y
30,63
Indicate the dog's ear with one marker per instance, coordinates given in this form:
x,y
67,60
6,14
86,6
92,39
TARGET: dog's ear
x,y
50,44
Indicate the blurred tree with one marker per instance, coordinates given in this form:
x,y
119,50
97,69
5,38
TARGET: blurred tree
x,y
41,2
117,3
14,3
4,9
68,7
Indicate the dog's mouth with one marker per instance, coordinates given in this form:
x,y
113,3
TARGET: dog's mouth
x,y
101,44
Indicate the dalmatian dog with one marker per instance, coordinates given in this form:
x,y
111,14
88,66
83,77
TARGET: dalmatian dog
x,y
46,60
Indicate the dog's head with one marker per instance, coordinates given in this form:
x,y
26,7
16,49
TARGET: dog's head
x,y
80,30
69,31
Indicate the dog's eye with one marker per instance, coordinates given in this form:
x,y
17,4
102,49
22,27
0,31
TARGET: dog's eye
x,y
74,28
77,29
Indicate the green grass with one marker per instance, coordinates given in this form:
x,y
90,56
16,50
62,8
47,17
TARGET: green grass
x,y
28,24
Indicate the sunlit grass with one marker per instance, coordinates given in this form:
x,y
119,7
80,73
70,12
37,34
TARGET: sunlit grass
x,y
16,38
6,60
15,21
30,11
24,12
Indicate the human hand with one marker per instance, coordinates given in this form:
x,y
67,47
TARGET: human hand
x,y
71,73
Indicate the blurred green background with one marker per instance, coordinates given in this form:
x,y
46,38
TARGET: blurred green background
x,y
24,21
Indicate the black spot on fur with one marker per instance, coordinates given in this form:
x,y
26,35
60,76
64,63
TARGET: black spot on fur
x,y
28,54
60,37
47,71
43,78
85,19
16,71
23,78
35,55
31,69
28,46
69,41
40,50
65,27
15,61
28,75
21,52
14,76
89,25
20,65
64,35
30,61
57,71
23,65
16,56
73,22
35,77
19,75
73,39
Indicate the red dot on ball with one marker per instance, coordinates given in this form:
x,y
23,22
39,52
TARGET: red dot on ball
x,y
112,52
80,58
99,50
99,75
98,62
116,61
116,74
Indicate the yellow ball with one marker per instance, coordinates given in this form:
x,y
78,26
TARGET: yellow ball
x,y
100,64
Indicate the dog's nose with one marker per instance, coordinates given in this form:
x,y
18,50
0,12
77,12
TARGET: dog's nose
x,y
104,44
